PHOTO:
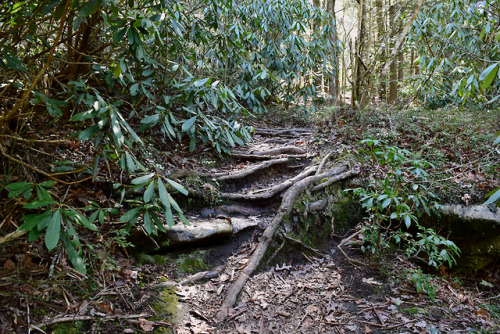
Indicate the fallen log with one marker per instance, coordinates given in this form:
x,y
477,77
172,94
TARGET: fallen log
x,y
338,173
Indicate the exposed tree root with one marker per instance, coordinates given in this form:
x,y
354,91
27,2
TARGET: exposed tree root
x,y
249,171
338,173
247,156
269,192
282,150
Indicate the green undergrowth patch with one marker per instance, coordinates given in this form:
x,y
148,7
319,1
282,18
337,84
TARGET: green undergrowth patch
x,y
457,141
165,307
69,327
187,263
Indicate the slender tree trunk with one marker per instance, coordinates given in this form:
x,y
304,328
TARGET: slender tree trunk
x,y
359,54
333,83
380,34
393,75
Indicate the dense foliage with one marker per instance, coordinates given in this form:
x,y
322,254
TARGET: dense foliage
x,y
459,47
112,70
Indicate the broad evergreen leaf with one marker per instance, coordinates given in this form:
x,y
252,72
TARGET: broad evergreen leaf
x,y
52,234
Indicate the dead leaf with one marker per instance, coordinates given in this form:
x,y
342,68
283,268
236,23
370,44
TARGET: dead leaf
x,y
145,325
9,265
103,307
367,330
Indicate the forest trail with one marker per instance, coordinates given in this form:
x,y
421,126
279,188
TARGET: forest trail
x,y
262,279
306,290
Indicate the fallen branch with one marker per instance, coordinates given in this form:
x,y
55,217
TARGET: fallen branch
x,y
285,208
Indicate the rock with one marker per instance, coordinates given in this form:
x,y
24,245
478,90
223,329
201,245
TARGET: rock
x,y
199,231
466,220
476,231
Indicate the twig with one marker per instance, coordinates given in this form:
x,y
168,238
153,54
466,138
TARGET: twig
x,y
339,246
87,317
378,315
314,250
237,314
301,321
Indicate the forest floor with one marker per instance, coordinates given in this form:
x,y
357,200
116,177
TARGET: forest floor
x,y
303,289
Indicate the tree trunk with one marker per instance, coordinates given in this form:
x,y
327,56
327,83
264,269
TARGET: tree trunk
x,y
393,75
333,83
379,7
359,66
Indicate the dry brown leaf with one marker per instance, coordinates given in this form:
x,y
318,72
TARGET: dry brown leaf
x,y
145,325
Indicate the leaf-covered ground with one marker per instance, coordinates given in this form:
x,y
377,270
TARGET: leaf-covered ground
x,y
300,293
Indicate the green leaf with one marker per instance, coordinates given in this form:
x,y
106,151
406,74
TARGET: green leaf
x,y
130,162
89,7
148,194
200,82
85,222
178,187
48,184
17,188
115,127
169,217
53,231
75,258
151,119
32,220
162,191
493,197
118,37
89,132
386,202
149,226
488,75
42,194
38,204
189,123
130,215
407,221
143,179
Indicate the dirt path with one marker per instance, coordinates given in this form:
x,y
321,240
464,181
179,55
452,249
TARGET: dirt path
x,y
319,293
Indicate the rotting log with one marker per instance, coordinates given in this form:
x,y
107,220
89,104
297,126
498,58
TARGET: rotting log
x,y
337,173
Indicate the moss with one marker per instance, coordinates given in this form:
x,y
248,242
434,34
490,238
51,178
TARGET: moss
x,y
192,262
151,259
68,327
165,306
